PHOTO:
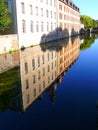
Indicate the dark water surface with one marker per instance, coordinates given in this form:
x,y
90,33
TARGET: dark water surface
x,y
57,91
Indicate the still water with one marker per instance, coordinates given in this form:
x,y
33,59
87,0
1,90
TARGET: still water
x,y
52,86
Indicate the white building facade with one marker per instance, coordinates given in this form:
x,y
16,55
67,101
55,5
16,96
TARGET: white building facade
x,y
38,21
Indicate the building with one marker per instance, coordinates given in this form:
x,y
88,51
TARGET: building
x,y
42,21
68,18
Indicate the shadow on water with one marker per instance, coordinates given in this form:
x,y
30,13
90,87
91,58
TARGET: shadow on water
x,y
56,34
57,38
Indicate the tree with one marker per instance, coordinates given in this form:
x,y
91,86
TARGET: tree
x,y
4,16
88,21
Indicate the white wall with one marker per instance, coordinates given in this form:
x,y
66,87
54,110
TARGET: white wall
x,y
29,38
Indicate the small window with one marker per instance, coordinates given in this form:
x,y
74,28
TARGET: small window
x,y
36,11
34,92
31,26
47,26
48,68
27,84
39,87
48,56
42,12
34,79
37,26
28,99
43,84
47,13
23,26
52,77
43,59
38,74
26,67
52,65
48,80
42,26
31,9
33,64
22,7
38,61
43,71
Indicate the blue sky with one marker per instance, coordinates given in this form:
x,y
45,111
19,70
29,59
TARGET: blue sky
x,y
88,7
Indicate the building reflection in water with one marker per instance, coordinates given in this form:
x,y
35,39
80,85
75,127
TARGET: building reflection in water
x,y
41,67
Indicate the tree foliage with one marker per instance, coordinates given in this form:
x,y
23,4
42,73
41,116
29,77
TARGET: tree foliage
x,y
88,21
4,16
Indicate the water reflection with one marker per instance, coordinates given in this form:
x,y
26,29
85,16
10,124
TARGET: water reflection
x,y
41,67
8,61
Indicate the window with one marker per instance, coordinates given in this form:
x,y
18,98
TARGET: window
x,y
55,73
39,87
31,26
43,84
43,59
54,3
33,64
23,26
48,56
47,13
47,26
38,61
52,77
55,63
27,84
55,15
36,11
48,80
34,79
51,14
28,99
42,12
37,26
22,7
42,26
26,67
38,74
52,65
51,26
51,2
31,9
43,71
46,1
48,68
34,92
55,25
52,55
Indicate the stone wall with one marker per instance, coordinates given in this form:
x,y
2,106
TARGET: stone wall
x,y
8,43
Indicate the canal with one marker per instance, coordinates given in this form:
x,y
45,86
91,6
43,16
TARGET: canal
x,y
53,86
